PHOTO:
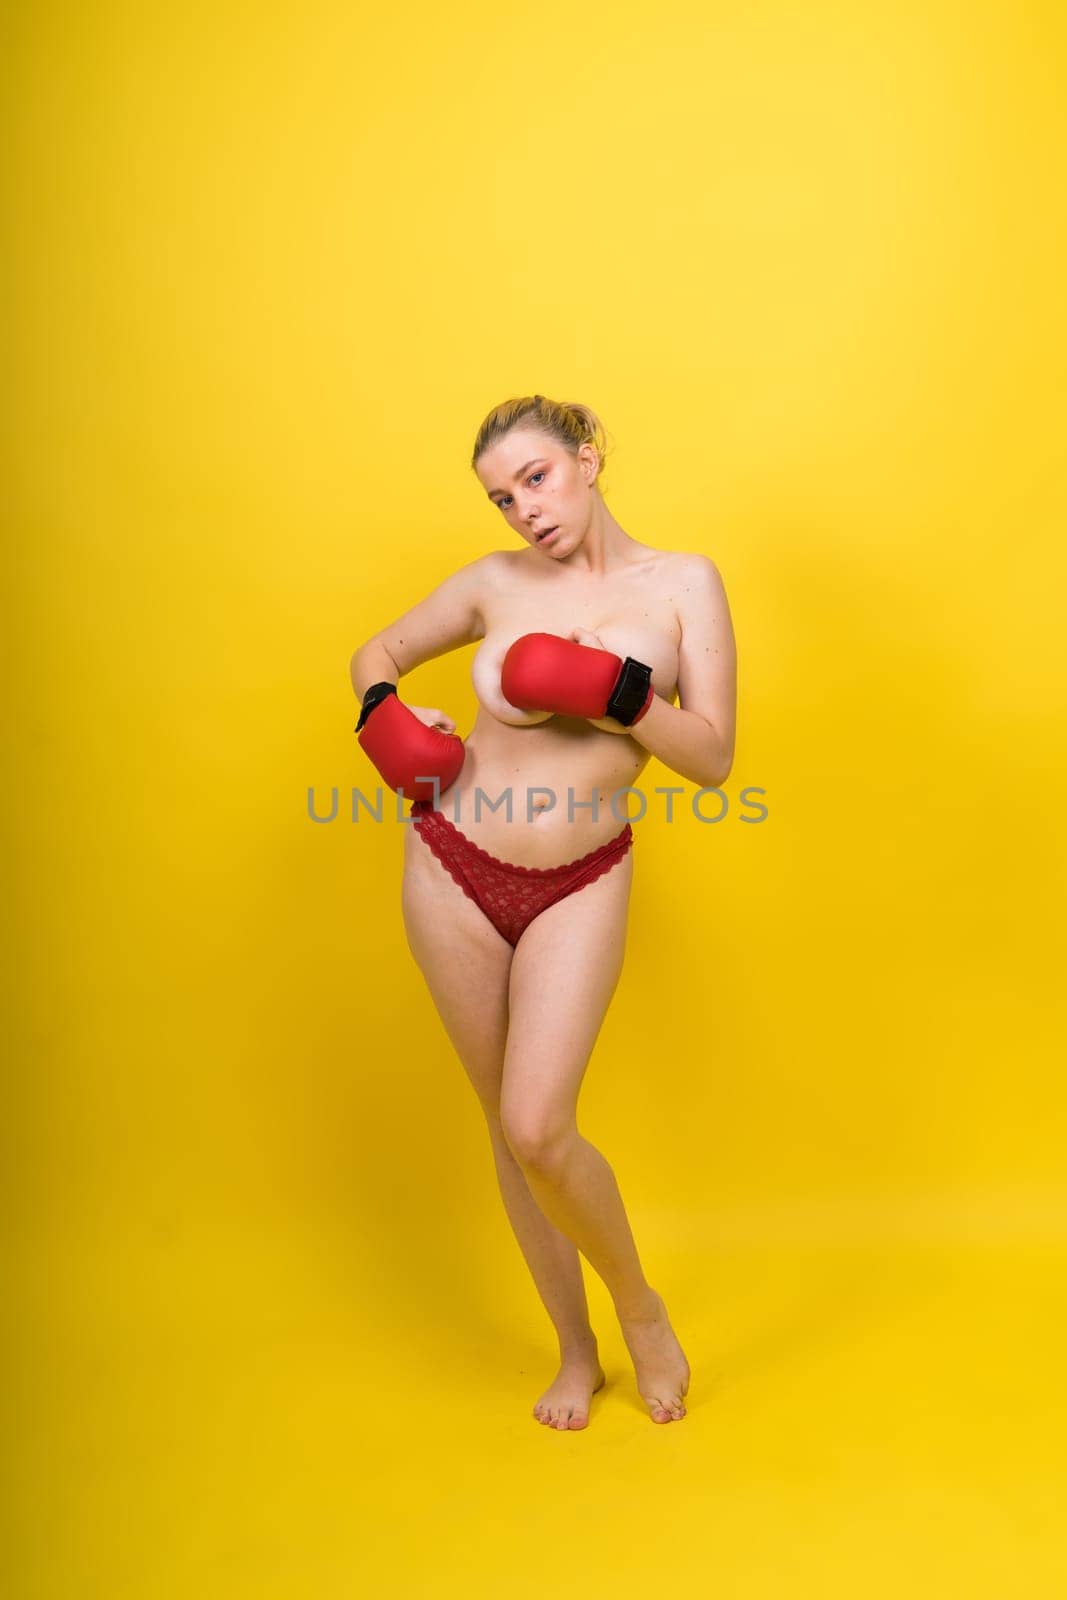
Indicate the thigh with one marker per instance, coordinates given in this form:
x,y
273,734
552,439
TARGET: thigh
x,y
565,970
465,963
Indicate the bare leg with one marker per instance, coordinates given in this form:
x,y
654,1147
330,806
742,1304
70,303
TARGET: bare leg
x,y
556,1268
466,963
564,972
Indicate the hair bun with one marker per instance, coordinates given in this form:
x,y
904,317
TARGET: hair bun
x,y
568,421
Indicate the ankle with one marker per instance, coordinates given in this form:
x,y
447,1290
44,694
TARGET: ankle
x,y
643,1305
582,1344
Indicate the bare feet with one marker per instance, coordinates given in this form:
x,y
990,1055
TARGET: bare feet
x,y
565,1403
659,1361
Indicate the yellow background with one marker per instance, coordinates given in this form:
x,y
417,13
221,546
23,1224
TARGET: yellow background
x,y
268,267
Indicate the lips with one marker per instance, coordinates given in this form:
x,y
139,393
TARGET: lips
x,y
545,533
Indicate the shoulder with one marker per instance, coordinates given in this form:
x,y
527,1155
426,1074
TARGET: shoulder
x,y
483,566
510,572
492,569
696,583
480,584
694,569
478,577
680,569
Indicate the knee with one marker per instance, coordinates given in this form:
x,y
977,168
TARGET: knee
x,y
537,1141
491,1113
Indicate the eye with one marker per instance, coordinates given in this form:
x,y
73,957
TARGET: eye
x,y
502,502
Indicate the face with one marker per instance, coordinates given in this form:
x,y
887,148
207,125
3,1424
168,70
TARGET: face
x,y
538,485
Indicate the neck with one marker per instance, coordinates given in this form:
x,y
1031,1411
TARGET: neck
x,y
605,547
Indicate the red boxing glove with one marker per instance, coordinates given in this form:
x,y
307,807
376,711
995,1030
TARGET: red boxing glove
x,y
407,753
542,672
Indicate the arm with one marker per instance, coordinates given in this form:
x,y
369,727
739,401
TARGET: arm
x,y
416,748
450,616
696,738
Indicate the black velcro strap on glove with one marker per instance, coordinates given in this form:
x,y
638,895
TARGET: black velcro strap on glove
x,y
373,697
630,691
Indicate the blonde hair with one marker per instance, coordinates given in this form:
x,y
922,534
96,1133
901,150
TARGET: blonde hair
x,y
567,421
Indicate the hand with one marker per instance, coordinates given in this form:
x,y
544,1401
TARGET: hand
x,y
583,636
410,745
434,718
595,642
576,677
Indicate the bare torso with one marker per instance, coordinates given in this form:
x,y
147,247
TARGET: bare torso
x,y
632,611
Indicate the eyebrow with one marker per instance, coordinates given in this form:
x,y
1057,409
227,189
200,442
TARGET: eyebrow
x,y
519,474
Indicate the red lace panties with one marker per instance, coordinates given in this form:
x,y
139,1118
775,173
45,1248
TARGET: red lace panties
x,y
510,895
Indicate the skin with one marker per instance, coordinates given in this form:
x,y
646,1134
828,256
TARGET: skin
x,y
526,1056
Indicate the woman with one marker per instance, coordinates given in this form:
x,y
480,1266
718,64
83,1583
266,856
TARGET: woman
x,y
517,918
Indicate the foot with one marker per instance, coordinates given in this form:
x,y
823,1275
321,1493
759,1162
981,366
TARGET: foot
x,y
659,1360
565,1403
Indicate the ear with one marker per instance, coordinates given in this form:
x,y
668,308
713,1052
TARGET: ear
x,y
587,455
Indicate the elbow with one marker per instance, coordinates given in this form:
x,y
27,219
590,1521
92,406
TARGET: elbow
x,y
710,776
714,779
721,768
372,661
374,642
355,666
